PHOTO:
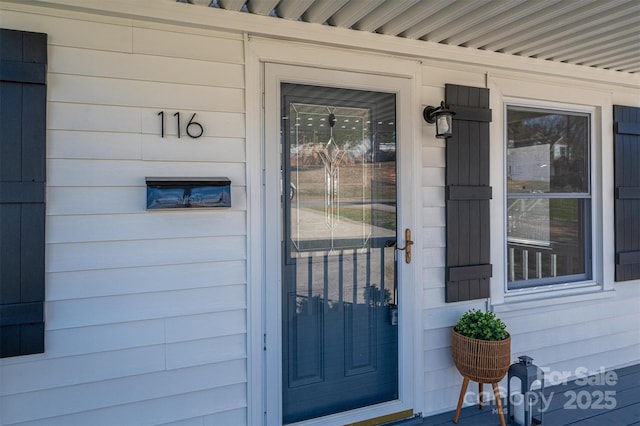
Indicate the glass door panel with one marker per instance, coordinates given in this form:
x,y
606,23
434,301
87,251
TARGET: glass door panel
x,y
339,274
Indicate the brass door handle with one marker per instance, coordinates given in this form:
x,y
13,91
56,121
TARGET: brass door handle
x,y
407,245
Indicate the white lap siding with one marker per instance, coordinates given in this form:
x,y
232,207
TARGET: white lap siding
x,y
563,334
145,311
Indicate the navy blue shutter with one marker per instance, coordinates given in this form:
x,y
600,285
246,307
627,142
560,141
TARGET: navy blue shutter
x,y
468,264
23,98
627,184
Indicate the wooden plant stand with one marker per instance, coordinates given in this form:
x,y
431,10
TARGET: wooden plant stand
x,y
481,361
496,393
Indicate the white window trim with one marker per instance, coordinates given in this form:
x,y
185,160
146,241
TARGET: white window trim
x,y
507,91
544,288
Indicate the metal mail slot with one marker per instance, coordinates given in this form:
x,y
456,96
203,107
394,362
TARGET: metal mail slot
x,y
181,193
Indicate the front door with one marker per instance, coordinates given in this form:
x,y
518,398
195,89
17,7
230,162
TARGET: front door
x,y
339,286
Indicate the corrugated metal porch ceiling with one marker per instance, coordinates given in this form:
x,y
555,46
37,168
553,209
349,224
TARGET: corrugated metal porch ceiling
x,y
594,33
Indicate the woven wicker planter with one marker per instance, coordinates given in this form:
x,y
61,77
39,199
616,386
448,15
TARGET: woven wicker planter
x,y
482,361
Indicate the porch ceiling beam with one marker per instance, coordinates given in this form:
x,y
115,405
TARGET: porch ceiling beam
x,y
441,19
321,10
383,14
559,26
412,16
501,22
352,12
292,9
484,13
511,28
235,5
558,38
261,7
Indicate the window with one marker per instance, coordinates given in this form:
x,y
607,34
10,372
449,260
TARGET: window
x,y
548,197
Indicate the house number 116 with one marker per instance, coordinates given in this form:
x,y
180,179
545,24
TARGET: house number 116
x,y
194,129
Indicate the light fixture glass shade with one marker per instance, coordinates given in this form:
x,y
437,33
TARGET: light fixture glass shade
x,y
442,116
443,125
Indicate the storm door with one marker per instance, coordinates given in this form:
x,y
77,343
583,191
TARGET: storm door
x,y
339,292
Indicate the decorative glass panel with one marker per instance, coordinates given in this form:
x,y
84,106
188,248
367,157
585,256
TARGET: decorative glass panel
x,y
342,191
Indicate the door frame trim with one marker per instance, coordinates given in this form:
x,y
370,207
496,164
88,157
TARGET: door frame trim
x,y
267,64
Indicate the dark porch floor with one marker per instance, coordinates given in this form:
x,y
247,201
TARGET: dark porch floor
x,y
571,404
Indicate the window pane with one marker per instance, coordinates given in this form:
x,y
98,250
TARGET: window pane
x,y
547,151
547,238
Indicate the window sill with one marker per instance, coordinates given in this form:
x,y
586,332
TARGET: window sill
x,y
532,300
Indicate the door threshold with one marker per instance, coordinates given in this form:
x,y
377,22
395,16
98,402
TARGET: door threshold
x,y
388,418
360,416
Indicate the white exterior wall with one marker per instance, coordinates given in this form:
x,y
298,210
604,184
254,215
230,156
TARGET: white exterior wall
x,y
146,312
565,332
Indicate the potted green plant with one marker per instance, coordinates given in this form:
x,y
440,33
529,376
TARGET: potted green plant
x,y
482,326
481,346
481,350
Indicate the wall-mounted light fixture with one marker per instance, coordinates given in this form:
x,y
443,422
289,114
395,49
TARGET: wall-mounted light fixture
x,y
442,116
